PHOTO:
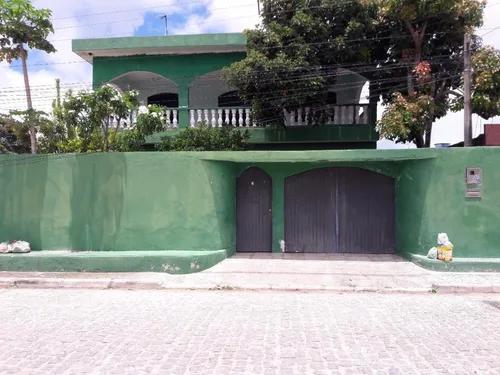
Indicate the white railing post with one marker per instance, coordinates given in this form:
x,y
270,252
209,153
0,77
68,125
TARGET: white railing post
x,y
214,120
175,120
247,117
307,116
299,117
227,120
206,119
292,117
219,120
233,116
199,118
192,121
167,118
240,115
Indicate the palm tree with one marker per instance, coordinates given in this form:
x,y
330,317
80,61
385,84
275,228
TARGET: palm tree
x,y
24,27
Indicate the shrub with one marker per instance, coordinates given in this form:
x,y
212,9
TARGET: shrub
x,y
206,138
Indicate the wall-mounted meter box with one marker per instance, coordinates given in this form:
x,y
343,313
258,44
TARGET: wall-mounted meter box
x,y
473,182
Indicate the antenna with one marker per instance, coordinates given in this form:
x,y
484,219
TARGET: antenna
x,y
165,17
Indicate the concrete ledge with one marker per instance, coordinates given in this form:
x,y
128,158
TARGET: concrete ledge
x,y
458,264
173,262
462,288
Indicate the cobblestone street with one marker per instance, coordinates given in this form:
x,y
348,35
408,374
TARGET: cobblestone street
x,y
230,332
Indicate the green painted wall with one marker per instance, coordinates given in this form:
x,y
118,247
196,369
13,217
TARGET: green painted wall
x,y
431,199
186,201
137,201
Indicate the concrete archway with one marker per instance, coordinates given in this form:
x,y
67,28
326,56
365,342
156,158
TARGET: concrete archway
x,y
146,83
205,90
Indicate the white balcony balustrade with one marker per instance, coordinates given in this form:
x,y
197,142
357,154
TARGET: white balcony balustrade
x,y
170,118
341,114
219,117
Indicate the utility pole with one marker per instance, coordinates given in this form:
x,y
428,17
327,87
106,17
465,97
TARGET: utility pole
x,y
165,17
58,91
258,6
467,92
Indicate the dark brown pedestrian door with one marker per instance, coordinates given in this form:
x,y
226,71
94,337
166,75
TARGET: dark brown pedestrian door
x,y
254,211
340,210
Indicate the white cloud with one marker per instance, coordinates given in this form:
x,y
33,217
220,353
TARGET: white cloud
x,y
240,15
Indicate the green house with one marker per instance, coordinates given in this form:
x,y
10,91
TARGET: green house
x,y
183,73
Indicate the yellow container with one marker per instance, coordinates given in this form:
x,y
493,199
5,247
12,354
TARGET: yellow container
x,y
445,253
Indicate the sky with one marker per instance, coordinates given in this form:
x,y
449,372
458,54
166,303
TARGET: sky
x,y
113,18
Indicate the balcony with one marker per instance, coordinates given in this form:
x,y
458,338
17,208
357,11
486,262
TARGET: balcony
x,y
345,125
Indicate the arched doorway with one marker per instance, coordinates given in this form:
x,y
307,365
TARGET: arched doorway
x,y
254,211
340,210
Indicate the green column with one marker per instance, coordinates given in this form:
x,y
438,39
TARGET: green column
x,y
372,108
278,210
183,105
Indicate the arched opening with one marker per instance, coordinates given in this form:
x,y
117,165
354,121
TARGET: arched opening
x,y
205,91
149,85
348,87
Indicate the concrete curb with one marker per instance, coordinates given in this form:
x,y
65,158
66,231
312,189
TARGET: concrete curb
x,y
127,284
461,288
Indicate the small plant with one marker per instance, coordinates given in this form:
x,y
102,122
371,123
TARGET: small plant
x,y
206,138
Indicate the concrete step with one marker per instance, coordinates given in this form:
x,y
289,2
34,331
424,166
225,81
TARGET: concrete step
x,y
168,261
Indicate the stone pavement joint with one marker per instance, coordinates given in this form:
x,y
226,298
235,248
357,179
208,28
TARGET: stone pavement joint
x,y
287,272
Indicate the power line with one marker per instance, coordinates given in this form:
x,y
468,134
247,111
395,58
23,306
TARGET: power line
x,y
315,72
371,66
291,45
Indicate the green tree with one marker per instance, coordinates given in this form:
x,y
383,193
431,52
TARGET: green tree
x,y
24,27
293,56
424,58
410,47
97,116
13,138
485,84
147,123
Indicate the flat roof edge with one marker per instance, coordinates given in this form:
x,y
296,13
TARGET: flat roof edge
x,y
194,40
318,156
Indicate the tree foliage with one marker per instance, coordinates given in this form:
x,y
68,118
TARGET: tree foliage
x,y
148,122
13,139
92,114
424,57
410,50
24,27
485,84
292,57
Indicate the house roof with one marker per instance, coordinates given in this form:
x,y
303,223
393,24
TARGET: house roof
x,y
159,45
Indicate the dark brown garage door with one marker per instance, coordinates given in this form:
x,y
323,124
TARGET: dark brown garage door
x,y
253,211
340,210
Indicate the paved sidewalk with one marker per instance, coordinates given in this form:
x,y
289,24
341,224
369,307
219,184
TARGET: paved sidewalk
x,y
303,272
